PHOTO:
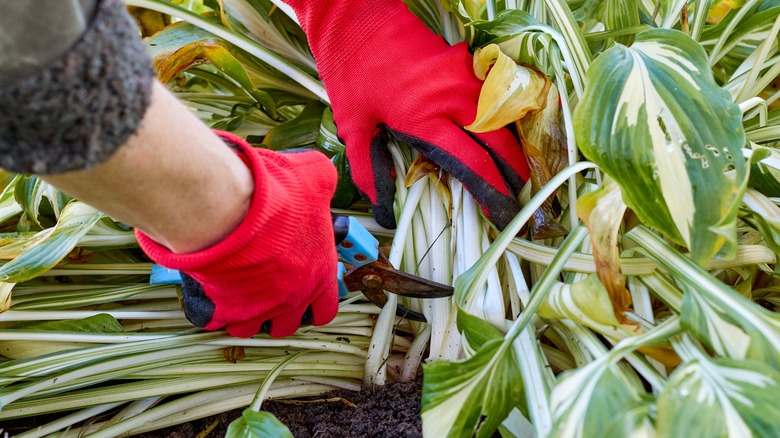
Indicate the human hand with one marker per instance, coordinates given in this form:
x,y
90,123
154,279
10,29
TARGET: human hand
x,y
279,262
388,75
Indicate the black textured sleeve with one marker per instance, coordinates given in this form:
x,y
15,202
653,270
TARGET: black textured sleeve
x,y
75,111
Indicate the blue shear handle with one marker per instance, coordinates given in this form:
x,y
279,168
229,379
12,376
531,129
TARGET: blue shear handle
x,y
163,275
358,247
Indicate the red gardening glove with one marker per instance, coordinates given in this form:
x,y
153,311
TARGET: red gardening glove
x,y
280,260
387,74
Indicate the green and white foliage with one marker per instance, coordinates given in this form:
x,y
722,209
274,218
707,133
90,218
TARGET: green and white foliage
x,y
653,118
718,397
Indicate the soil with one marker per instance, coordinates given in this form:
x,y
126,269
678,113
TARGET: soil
x,y
391,411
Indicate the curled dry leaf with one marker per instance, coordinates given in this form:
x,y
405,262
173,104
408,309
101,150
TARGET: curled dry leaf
x,y
514,93
544,143
422,167
602,212
234,353
149,21
510,91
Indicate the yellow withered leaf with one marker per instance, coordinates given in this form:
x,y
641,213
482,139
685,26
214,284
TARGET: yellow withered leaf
x,y
5,296
721,8
423,167
602,211
510,91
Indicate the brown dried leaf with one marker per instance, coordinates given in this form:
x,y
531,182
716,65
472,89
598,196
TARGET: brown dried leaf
x,y
422,167
150,22
234,354
544,143
602,212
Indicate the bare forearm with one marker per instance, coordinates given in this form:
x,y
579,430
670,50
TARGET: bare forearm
x,y
174,179
85,113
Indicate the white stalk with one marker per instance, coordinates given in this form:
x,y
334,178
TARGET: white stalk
x,y
379,349
67,421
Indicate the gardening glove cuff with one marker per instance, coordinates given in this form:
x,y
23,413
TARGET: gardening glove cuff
x,y
280,260
75,110
389,76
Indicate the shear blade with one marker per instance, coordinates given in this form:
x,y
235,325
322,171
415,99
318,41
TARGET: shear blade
x,y
376,278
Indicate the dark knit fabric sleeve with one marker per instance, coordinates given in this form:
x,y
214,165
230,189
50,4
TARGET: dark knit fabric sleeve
x,y
76,110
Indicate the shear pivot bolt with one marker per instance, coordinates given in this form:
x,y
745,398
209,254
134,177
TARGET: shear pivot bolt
x,y
372,281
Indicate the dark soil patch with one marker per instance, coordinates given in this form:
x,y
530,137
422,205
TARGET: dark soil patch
x,y
391,411
388,411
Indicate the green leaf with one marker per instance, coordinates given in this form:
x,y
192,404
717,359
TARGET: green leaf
x,y
51,245
328,141
428,12
254,424
8,205
299,132
29,192
653,118
472,396
586,402
476,330
725,321
725,397
265,24
634,422
522,38
585,302
621,14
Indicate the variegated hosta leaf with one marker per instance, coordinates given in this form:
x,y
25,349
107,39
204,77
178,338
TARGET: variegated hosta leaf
x,y
725,321
30,191
602,212
8,205
671,11
653,118
621,14
763,215
509,92
522,38
472,396
466,10
706,397
51,245
587,302
765,171
590,401
737,328
261,21
635,423
5,296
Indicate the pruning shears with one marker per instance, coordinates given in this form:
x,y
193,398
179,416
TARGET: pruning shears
x,y
362,268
